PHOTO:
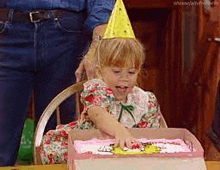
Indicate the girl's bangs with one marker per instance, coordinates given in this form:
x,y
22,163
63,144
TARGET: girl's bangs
x,y
122,60
122,53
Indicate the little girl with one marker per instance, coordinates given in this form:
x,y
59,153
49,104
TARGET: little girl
x,y
112,102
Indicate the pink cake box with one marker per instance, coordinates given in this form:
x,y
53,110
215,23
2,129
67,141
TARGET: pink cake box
x,y
167,133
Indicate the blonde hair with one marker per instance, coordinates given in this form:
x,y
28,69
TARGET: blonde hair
x,y
117,52
120,52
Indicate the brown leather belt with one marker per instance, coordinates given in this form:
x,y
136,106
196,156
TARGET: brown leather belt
x,y
33,16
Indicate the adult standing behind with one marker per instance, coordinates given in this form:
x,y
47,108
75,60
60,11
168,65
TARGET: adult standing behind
x,y
40,43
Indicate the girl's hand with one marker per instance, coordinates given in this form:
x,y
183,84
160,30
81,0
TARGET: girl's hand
x,y
125,139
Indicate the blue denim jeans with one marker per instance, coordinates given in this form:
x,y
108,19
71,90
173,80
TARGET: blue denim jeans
x,y
39,57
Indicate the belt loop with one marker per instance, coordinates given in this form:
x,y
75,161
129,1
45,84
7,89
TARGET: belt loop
x,y
10,15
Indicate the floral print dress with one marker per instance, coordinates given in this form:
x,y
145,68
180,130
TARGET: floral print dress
x,y
141,111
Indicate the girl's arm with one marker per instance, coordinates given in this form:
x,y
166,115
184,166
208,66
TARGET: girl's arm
x,y
108,124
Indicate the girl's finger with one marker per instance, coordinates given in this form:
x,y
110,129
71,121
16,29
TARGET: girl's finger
x,y
122,144
138,142
128,144
116,142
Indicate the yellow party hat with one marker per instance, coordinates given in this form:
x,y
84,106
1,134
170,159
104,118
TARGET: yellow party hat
x,y
119,24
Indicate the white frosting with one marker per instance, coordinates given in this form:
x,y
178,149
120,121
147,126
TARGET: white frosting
x,y
97,146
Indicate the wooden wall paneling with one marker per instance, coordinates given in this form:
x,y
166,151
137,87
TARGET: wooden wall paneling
x,y
189,46
147,4
146,32
165,78
203,81
171,73
201,21
208,96
150,28
210,75
177,66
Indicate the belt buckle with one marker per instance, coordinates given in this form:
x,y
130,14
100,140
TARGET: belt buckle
x,y
31,16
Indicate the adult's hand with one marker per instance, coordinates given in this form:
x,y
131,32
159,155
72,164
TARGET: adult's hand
x,y
87,65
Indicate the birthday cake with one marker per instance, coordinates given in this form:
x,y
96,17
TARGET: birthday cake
x,y
149,146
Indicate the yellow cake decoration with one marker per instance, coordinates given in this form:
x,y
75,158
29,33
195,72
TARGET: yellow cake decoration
x,y
148,149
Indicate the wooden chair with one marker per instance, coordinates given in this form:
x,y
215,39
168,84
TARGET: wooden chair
x,y
163,123
54,107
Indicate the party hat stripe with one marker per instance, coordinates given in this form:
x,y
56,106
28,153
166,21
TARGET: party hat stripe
x,y
119,24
